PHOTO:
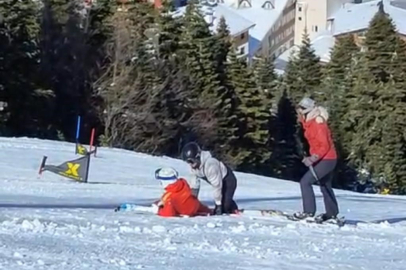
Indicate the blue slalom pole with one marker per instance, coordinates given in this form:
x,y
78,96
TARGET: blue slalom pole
x,y
78,129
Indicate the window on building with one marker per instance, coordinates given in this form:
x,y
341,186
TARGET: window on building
x,y
291,15
242,50
300,18
268,5
330,24
269,39
244,3
242,36
316,28
300,9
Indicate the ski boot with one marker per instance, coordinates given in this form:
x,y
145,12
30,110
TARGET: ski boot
x,y
324,218
301,216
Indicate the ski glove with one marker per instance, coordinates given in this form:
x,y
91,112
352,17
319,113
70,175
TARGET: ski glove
x,y
309,161
218,210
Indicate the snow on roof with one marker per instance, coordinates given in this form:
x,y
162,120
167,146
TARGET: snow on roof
x,y
356,17
322,46
263,18
236,23
398,15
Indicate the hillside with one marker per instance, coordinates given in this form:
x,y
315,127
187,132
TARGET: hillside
x,y
54,223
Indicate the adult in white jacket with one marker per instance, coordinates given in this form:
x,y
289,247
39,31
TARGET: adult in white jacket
x,y
219,176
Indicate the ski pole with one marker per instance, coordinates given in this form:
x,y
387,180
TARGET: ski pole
x,y
314,173
311,168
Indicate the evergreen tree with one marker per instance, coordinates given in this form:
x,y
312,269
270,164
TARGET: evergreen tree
x,y
265,76
378,93
303,72
267,83
336,71
363,122
224,45
198,62
380,43
246,145
124,85
337,84
169,30
237,153
285,160
399,59
64,64
28,106
390,160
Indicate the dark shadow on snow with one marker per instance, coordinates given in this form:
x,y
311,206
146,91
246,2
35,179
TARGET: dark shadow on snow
x,y
147,202
390,220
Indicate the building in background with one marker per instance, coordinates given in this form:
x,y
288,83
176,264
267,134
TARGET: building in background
x,y
350,18
355,18
274,20
271,24
238,26
314,16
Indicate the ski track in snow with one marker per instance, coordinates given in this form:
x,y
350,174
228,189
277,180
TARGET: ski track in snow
x,y
37,233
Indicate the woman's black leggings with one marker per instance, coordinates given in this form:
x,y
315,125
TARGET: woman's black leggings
x,y
228,190
324,171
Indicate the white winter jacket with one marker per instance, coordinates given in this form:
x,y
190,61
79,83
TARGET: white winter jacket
x,y
212,171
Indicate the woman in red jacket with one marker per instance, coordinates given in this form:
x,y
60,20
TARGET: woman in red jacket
x,y
178,199
322,156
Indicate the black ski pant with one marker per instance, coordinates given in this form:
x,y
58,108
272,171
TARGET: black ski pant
x,y
228,190
324,171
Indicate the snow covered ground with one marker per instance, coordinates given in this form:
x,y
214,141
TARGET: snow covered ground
x,y
54,223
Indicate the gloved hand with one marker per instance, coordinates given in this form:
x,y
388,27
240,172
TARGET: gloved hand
x,y
309,161
155,208
218,210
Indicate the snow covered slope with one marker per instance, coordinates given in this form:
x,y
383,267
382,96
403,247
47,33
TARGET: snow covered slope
x,y
54,223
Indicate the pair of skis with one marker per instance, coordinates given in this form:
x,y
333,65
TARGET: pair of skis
x,y
269,213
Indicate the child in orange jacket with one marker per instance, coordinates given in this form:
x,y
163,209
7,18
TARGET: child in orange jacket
x,y
178,199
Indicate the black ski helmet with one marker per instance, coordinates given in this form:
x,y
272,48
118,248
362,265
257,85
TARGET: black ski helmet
x,y
191,152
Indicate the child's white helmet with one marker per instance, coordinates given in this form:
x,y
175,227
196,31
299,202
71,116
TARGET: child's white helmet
x,y
166,176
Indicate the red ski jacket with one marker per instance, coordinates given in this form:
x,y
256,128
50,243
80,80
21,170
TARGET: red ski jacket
x,y
179,200
318,134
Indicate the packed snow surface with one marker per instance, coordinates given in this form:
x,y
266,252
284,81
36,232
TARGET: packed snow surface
x,y
51,222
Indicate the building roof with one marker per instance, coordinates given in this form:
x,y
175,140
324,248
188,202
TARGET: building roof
x,y
264,19
356,17
398,14
322,46
236,23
